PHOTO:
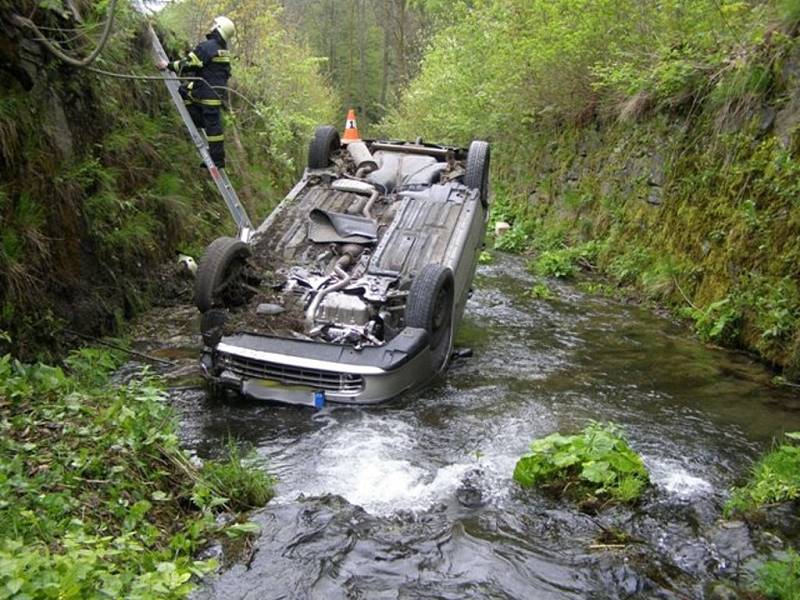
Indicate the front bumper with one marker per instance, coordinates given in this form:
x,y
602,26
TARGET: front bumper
x,y
311,373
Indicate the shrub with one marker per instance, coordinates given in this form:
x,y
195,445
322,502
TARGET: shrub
x,y
594,466
516,240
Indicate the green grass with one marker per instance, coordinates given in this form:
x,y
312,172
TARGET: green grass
x,y
780,579
97,499
789,11
245,486
595,467
774,479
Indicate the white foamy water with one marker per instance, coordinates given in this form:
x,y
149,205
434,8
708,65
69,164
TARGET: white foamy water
x,y
676,480
366,463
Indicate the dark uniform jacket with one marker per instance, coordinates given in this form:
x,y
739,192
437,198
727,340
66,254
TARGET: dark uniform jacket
x,y
211,61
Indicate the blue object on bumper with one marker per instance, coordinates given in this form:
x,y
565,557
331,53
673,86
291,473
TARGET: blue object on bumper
x,y
319,399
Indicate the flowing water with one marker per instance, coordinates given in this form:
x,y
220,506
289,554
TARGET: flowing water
x,y
414,498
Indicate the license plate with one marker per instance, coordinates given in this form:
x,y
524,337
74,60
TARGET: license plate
x,y
268,389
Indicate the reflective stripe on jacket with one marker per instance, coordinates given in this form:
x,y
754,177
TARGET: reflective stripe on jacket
x,y
210,60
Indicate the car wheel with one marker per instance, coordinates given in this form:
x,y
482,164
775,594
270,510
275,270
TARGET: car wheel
x,y
430,307
477,172
222,274
326,141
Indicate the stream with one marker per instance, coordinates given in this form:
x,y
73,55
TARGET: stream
x,y
414,498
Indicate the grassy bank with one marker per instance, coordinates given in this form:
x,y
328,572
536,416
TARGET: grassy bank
x,y
97,499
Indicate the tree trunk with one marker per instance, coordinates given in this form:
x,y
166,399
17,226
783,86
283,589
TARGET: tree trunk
x,y
331,37
401,51
387,41
362,55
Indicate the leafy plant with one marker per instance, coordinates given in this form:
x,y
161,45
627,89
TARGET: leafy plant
x,y
555,263
563,263
540,291
775,478
97,499
516,240
780,579
594,467
718,322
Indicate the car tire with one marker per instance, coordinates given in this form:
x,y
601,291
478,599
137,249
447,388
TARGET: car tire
x,y
220,275
326,141
430,307
477,171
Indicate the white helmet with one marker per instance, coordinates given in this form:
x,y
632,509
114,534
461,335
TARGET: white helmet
x,y
225,27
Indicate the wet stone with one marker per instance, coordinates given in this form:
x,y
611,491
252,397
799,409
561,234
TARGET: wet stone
x,y
722,591
784,519
223,519
214,551
269,309
469,493
733,544
769,541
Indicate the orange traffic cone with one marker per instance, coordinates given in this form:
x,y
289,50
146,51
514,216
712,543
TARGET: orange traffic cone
x,y
350,128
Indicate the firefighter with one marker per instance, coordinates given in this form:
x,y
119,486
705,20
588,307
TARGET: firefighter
x,y
211,62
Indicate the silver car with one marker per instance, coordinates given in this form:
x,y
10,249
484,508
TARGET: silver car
x,y
352,288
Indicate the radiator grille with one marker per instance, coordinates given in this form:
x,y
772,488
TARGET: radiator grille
x,y
331,381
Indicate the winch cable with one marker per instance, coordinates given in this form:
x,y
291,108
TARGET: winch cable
x,y
180,78
56,51
85,62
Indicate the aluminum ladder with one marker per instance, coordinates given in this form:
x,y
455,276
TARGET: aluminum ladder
x,y
218,175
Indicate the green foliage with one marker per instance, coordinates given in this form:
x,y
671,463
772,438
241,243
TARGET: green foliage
x,y
775,478
543,61
555,263
540,291
594,465
515,240
780,579
648,127
789,11
96,495
246,486
718,322
564,262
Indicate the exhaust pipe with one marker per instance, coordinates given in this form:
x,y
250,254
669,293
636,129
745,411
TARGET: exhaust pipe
x,y
358,187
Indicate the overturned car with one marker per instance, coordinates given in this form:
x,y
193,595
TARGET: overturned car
x,y
352,288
